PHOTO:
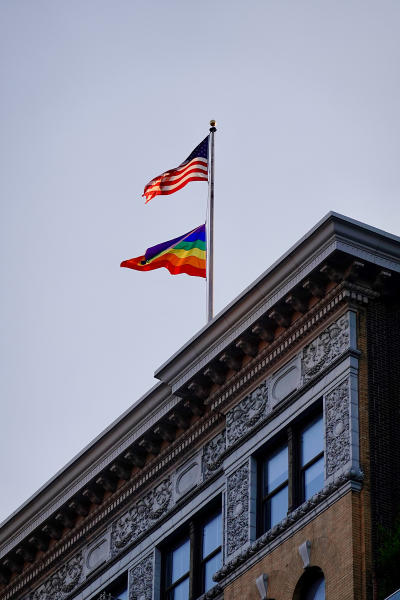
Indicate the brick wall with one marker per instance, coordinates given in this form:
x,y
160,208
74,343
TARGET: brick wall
x,y
383,338
332,535
362,505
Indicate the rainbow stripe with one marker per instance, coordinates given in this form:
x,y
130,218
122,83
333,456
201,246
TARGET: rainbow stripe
x,y
184,254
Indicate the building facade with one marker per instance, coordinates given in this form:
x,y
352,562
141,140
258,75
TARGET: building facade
x,y
264,464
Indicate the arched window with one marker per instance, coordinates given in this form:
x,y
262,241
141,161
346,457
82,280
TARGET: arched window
x,y
311,585
316,589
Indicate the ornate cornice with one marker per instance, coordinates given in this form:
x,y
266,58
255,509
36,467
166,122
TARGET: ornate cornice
x,y
110,508
187,420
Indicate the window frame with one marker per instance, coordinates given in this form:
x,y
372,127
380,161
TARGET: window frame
x,y
113,590
290,436
192,530
303,468
167,567
272,448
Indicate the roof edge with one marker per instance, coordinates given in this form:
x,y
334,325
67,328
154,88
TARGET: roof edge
x,y
332,223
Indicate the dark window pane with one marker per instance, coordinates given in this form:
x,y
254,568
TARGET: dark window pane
x,y
276,469
180,561
312,441
277,507
211,567
181,592
212,535
313,478
316,591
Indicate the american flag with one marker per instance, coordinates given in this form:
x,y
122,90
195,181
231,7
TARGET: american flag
x,y
194,168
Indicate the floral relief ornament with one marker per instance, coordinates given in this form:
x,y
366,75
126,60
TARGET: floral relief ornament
x,y
141,580
237,509
63,582
332,342
212,454
337,428
142,515
243,417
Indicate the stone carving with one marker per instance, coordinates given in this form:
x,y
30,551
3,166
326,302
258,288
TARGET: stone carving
x,y
337,428
248,413
237,509
97,552
212,454
332,342
212,593
141,580
63,582
285,382
187,477
141,516
306,508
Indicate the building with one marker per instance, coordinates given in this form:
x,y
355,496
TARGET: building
x,y
264,464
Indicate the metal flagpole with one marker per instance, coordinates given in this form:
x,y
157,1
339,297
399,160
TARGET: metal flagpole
x,y
210,227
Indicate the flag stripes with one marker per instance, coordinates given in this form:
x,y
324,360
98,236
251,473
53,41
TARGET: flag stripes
x,y
194,168
185,254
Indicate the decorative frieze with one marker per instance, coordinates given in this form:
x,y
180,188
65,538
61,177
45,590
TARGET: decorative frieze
x,y
212,455
322,351
63,582
247,414
141,580
144,513
237,511
337,428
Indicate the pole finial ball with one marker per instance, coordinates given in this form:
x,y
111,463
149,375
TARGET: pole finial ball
x,y
213,123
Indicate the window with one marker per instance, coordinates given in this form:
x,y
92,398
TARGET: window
x,y
311,585
312,458
191,557
291,470
178,571
316,590
275,486
117,590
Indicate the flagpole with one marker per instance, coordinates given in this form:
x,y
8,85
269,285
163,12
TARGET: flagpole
x,y
210,228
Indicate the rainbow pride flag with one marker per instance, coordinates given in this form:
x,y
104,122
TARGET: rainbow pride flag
x,y
184,254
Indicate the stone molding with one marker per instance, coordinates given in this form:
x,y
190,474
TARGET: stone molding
x,y
332,302
187,476
111,506
95,469
213,593
63,582
324,349
321,312
237,509
213,455
304,510
141,580
337,428
315,358
144,513
97,552
247,414
258,310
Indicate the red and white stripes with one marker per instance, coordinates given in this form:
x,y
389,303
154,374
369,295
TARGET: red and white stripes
x,y
175,179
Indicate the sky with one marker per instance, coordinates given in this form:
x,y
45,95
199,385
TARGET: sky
x,y
98,97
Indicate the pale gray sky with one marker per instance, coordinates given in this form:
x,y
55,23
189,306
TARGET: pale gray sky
x,y
99,97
